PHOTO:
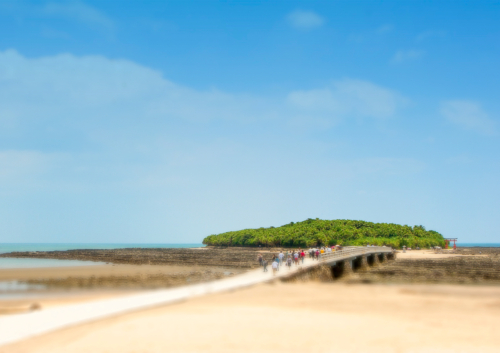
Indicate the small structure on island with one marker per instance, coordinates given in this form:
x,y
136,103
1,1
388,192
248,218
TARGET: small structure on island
x,y
447,243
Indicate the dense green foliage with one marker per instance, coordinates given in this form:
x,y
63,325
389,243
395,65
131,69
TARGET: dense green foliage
x,y
314,232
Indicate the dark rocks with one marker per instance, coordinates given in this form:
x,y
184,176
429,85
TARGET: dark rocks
x,y
150,281
459,270
227,257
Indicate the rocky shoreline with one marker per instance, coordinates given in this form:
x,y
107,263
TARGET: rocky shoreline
x,y
209,256
132,281
194,265
471,266
468,266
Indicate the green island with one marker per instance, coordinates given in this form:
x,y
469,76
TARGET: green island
x,y
318,232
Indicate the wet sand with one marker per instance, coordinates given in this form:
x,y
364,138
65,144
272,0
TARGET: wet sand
x,y
300,317
69,285
100,270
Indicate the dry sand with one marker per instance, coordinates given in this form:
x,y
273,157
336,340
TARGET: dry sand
x,y
431,254
301,317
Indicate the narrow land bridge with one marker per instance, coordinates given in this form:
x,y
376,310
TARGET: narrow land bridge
x,y
351,259
22,326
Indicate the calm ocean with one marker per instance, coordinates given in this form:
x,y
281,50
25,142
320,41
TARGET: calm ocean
x,y
483,245
10,247
36,263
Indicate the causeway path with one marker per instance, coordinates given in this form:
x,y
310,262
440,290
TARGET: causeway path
x,y
18,327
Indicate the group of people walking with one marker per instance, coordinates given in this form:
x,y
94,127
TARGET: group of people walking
x,y
289,258
315,253
294,257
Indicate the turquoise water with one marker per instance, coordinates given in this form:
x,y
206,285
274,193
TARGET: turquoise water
x,y
15,286
485,245
8,263
40,263
10,247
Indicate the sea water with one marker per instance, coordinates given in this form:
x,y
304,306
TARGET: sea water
x,y
482,245
10,247
16,289
9,263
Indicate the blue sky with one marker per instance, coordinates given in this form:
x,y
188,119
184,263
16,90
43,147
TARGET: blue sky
x,y
140,121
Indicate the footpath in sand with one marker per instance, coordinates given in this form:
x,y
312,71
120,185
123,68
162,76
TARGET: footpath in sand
x,y
17,327
298,317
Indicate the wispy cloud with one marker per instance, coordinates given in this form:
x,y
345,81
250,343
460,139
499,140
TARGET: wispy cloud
x,y
55,34
73,11
305,19
347,98
468,115
154,25
430,34
94,90
385,29
406,55
79,11
370,35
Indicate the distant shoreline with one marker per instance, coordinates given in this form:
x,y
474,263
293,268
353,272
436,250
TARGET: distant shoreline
x,y
479,245
25,247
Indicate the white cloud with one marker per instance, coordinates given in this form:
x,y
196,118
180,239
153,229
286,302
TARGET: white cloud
x,y
305,19
405,55
93,91
117,120
347,98
468,115
90,93
114,122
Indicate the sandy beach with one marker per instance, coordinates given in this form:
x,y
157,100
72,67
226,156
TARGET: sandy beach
x,y
344,316
298,317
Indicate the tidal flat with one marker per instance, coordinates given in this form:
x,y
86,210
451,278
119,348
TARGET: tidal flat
x,y
389,307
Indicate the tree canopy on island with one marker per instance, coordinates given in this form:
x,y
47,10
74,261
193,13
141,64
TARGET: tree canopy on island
x,y
317,232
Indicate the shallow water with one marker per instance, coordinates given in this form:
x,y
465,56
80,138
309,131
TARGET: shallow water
x,y
19,290
10,247
11,263
16,286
